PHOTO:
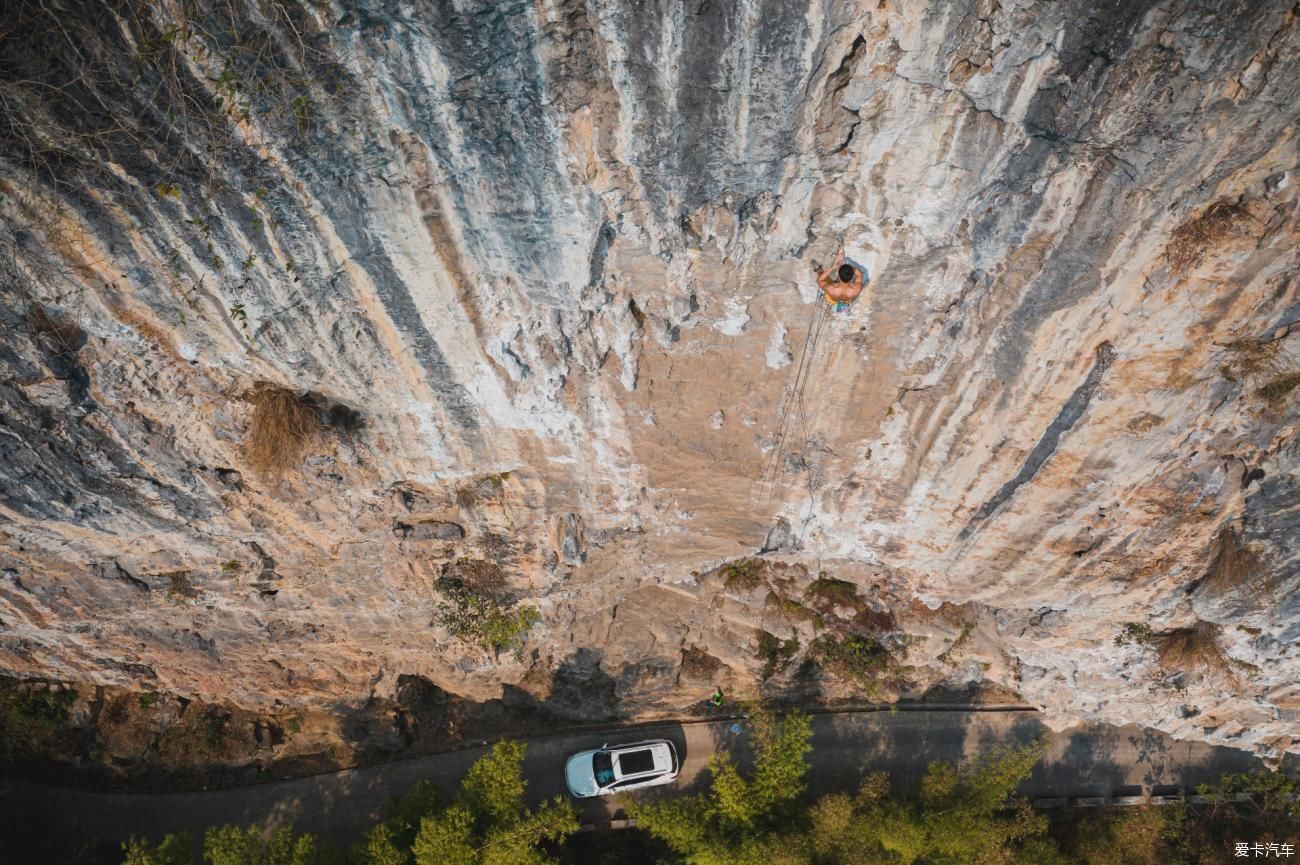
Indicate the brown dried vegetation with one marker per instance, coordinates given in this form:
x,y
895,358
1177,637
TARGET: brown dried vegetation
x,y
1216,223
1265,365
699,665
280,430
483,577
1232,564
64,336
1252,360
1192,649
1279,388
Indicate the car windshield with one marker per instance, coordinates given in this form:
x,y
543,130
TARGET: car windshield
x,y
603,766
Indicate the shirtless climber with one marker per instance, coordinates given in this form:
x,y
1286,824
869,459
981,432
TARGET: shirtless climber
x,y
842,282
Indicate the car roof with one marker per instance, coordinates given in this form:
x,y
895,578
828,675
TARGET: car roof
x,y
636,761
633,746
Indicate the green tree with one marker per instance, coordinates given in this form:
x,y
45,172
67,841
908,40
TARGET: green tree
x,y
173,850
966,816
1135,837
390,842
742,820
381,847
487,824
1187,833
231,845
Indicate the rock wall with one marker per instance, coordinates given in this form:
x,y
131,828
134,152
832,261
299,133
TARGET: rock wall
x,y
545,271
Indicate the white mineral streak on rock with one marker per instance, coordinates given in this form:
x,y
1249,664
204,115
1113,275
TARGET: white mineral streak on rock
x,y
777,355
735,318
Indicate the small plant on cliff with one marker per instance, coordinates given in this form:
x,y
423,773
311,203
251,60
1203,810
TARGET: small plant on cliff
x,y
833,592
1255,359
1134,633
280,430
180,588
794,611
484,620
487,488
744,574
963,637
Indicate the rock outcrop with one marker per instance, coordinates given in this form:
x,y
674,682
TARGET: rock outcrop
x,y
543,273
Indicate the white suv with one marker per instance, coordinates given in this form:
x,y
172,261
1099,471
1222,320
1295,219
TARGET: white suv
x,y
623,767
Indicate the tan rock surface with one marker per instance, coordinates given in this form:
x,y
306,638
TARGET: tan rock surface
x,y
558,261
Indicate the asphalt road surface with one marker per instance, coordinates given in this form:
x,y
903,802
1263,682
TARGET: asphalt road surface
x,y
51,824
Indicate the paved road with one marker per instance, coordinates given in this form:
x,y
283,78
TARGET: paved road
x,y
47,824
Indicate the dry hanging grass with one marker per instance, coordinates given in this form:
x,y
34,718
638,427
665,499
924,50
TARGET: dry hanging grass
x,y
1192,649
1216,223
281,429
66,336
1232,563
1253,360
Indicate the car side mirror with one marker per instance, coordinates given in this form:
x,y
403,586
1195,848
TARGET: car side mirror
x,y
604,746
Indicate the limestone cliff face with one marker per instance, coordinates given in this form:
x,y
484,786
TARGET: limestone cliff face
x,y
545,269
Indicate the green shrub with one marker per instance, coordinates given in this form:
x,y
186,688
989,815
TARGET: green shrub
x,y
30,716
1135,633
487,823
483,620
46,704
859,658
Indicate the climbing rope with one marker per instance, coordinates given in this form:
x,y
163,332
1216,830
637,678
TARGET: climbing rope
x,y
774,470
795,408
